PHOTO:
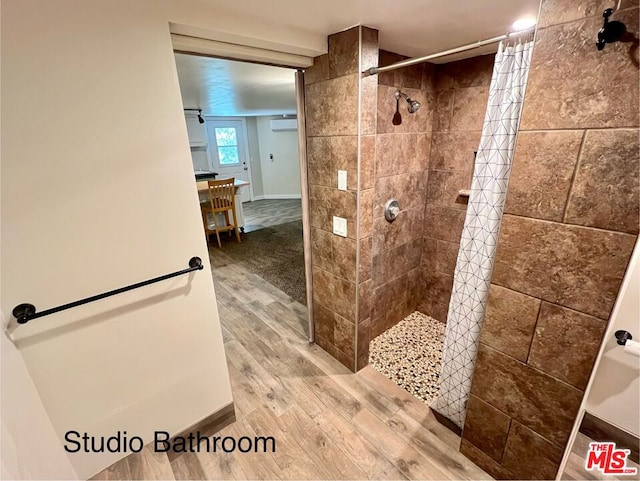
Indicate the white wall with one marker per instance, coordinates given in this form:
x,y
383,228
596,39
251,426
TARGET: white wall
x,y
280,176
104,196
614,390
30,446
254,154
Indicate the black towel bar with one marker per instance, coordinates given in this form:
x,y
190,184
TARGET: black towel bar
x,y
27,312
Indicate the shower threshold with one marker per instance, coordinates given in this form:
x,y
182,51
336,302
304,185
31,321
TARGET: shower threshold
x,y
410,355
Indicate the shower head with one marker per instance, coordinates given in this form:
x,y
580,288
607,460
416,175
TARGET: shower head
x,y
413,105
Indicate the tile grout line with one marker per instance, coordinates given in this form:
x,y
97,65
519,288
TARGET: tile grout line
x,y
573,177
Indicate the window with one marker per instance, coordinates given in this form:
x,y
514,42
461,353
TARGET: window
x,y
227,144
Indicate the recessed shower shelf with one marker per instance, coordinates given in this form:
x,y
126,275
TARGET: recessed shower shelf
x,y
464,192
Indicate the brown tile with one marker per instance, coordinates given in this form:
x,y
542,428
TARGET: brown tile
x,y
332,107
444,187
578,267
542,171
390,264
363,343
344,52
407,77
485,426
408,189
335,293
471,72
366,212
369,47
443,110
530,456
533,398
369,105
509,321
566,343
434,309
324,321
428,77
555,12
321,248
429,257
320,207
438,287
365,291
389,235
366,255
344,204
319,71
606,189
469,108
484,461
319,164
454,151
443,223
416,122
446,257
344,335
562,90
401,153
387,58
367,161
344,156
344,257
388,295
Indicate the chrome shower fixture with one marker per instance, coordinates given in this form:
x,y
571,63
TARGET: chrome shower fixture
x,y
413,105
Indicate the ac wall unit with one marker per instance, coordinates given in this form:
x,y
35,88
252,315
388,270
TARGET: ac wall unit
x,y
278,125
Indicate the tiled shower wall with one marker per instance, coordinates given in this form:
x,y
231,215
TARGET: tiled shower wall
x,y
461,93
335,125
570,224
401,163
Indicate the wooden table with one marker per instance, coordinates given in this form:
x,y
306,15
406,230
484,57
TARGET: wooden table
x,y
203,193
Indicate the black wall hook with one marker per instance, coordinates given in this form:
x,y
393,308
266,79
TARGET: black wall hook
x,y
611,31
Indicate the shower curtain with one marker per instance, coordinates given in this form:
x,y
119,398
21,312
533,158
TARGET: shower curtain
x,y
482,223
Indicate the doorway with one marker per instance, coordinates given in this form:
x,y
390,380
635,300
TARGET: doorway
x,y
247,128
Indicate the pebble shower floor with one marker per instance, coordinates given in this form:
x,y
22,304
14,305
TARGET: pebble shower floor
x,y
410,354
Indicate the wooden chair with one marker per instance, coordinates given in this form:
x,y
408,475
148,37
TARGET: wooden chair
x,y
221,199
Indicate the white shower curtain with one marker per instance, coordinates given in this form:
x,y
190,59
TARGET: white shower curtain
x,y
482,224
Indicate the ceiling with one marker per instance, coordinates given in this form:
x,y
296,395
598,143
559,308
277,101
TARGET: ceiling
x,y
409,27
226,88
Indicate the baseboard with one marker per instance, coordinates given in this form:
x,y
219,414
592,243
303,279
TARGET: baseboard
x,y
277,196
207,426
446,422
599,430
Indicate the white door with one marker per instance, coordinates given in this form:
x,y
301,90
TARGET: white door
x,y
228,151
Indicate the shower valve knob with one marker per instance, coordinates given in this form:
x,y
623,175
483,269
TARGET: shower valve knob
x,y
391,210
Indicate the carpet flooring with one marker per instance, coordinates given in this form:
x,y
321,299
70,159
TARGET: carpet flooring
x,y
410,354
274,253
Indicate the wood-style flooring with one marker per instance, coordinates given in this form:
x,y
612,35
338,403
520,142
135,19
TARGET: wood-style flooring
x,y
269,212
328,422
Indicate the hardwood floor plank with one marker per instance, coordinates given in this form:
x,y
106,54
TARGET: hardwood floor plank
x,y
270,391
294,462
118,470
406,458
187,466
331,462
149,464
344,435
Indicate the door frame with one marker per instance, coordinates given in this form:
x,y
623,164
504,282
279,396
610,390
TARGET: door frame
x,y
296,63
245,148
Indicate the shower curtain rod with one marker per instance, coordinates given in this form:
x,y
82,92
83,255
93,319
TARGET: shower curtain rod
x,y
413,61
